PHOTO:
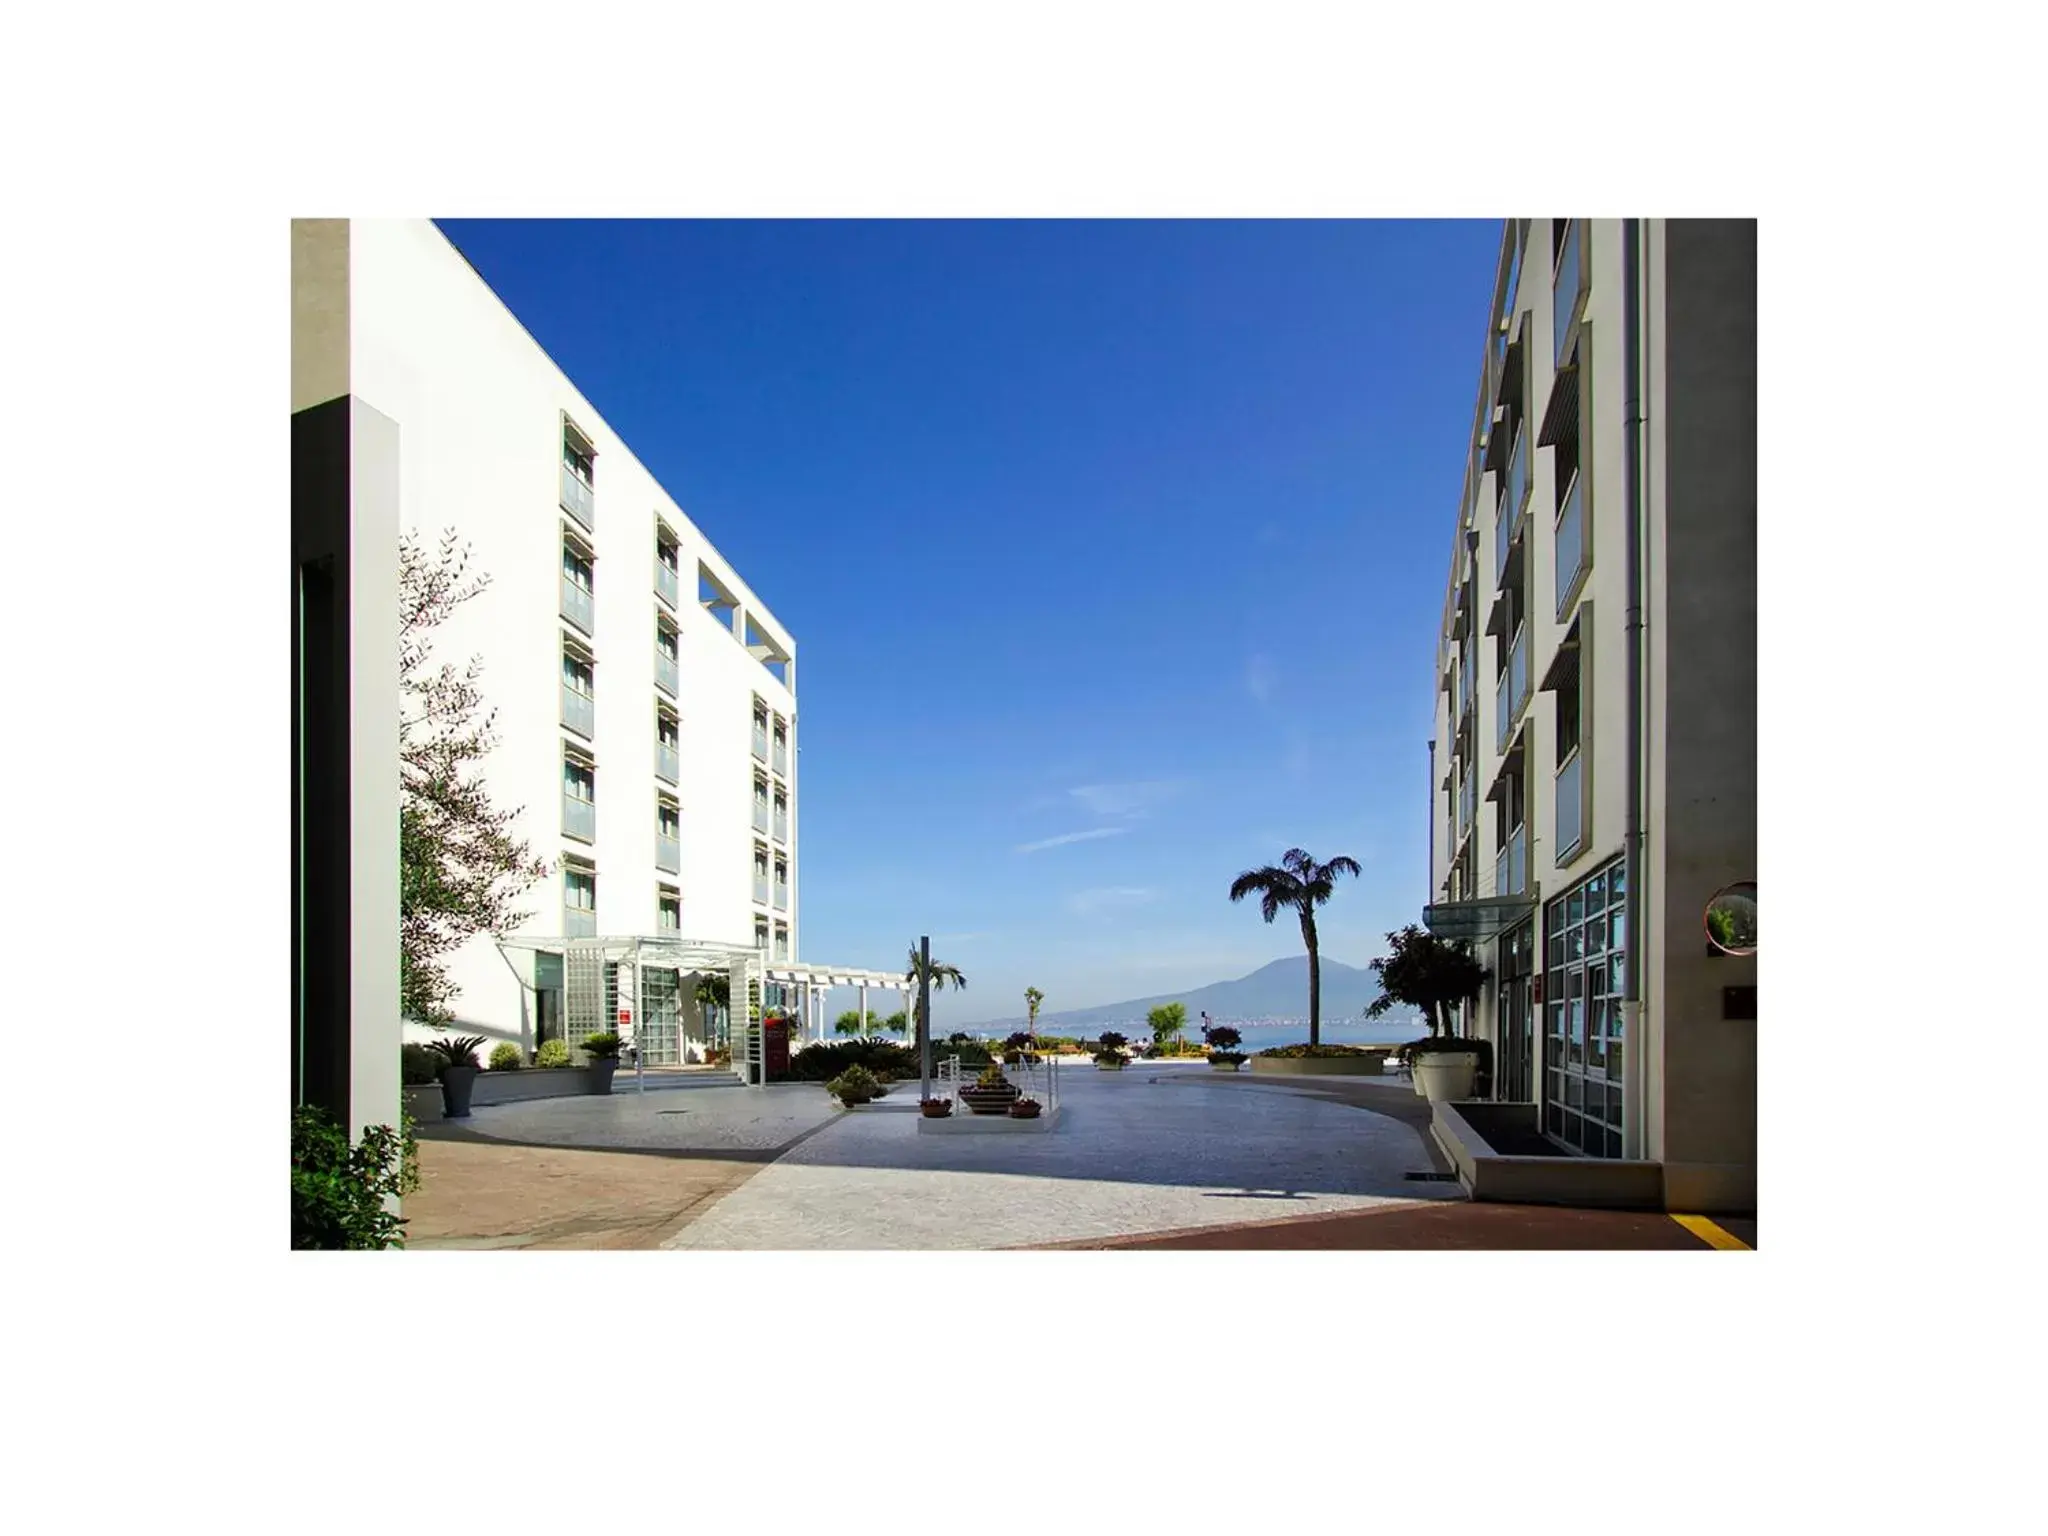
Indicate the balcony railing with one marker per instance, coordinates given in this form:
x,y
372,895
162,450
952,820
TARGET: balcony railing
x,y
1570,807
760,890
668,852
1468,809
577,607
577,498
761,743
1511,865
782,826
668,762
579,922
782,946
782,756
1571,544
579,711
666,674
760,815
1467,679
579,818
782,897
1564,290
1515,488
1512,691
667,583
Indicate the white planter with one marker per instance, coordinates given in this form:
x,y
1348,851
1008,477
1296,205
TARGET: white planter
x,y
1444,1076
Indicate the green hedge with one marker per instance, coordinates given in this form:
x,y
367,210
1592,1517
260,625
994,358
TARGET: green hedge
x,y
1293,1052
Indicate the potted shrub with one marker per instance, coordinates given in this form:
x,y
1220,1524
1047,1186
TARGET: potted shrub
x,y
603,1051
505,1057
935,1109
458,1071
991,1093
552,1053
1223,1042
1025,1109
856,1086
1109,1051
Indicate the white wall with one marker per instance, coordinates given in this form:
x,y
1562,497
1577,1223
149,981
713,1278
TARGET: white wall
x,y
479,407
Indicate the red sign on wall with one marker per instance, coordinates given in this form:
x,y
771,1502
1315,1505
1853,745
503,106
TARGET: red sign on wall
x,y
625,1017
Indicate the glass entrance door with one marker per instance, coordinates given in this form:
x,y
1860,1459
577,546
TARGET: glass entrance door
x,y
1517,965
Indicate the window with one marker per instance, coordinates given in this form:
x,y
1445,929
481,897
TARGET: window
x,y
579,897
668,821
669,910
1583,986
579,796
760,933
667,578
667,673
781,942
578,457
1569,682
579,689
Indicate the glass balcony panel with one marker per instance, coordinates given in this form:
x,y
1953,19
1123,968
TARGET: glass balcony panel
x,y
579,711
782,758
1518,860
667,762
1569,809
577,607
761,743
782,897
579,922
577,499
1564,291
666,582
668,854
760,815
781,827
665,671
1570,548
761,890
1512,692
579,818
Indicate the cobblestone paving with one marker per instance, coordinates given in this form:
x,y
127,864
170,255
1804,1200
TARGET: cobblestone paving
x,y
1146,1150
692,1119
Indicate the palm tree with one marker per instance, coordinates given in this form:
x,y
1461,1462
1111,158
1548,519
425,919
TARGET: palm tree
x,y
941,974
1302,884
1032,998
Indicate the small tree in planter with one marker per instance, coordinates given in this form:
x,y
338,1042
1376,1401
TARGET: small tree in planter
x,y
1167,1021
505,1057
1426,972
459,1068
856,1085
1109,1051
603,1051
1223,1041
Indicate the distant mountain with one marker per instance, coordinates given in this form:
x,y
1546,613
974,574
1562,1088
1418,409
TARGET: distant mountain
x,y
1279,990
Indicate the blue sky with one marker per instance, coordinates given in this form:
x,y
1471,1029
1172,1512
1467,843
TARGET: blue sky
x,y
1113,551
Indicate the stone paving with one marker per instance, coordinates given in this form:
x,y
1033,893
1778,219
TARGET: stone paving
x,y
671,1118
1157,1147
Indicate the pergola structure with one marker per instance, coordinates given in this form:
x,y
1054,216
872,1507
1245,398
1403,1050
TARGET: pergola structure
x,y
631,984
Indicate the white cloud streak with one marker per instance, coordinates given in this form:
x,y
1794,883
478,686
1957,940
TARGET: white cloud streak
x,y
1065,838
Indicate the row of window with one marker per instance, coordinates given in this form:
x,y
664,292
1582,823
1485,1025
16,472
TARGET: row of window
x,y
579,909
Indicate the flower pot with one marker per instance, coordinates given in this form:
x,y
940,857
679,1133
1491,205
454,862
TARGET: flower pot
x,y
1109,1066
1024,1111
936,1111
457,1083
1225,1066
601,1069
1441,1076
855,1100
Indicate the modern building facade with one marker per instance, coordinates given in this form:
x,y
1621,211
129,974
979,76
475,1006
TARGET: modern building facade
x,y
1593,766
645,697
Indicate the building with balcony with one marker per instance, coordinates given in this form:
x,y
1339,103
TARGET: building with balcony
x,y
645,697
1593,764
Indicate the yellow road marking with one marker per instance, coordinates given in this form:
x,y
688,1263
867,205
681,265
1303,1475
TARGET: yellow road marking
x,y
1710,1234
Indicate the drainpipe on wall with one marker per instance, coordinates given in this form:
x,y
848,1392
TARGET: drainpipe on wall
x,y
1637,1078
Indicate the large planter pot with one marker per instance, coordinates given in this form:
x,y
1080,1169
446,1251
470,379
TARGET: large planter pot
x,y
457,1083
1109,1066
601,1069
938,1111
991,1101
1446,1076
1023,1112
1225,1066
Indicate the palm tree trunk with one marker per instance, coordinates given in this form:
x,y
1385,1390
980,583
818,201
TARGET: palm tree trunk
x,y
1315,981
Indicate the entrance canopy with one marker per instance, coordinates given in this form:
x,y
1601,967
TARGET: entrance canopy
x,y
1483,917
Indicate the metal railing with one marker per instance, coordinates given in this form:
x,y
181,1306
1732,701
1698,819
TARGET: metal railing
x,y
579,711
667,582
578,500
577,606
667,762
1511,864
1570,545
760,890
1570,805
666,674
1512,692
1564,290
782,826
668,853
579,818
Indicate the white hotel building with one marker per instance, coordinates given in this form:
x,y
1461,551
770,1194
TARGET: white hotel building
x,y
1593,766
645,696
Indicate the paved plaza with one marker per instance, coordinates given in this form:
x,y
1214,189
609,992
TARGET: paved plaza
x,y
1163,1154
